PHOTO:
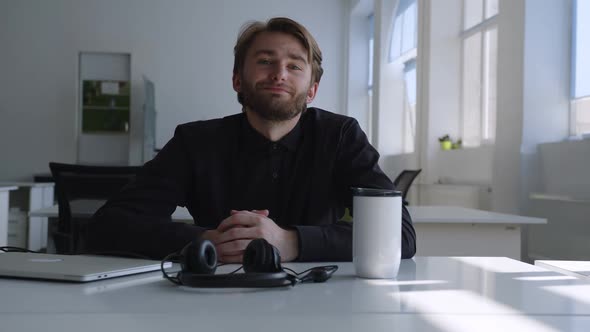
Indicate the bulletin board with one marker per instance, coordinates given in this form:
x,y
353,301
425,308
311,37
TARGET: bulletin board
x,y
105,106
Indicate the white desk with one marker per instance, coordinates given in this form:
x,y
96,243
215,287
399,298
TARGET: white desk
x,y
85,208
4,200
431,294
457,231
440,230
578,269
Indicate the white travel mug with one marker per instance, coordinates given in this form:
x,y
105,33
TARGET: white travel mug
x,y
376,232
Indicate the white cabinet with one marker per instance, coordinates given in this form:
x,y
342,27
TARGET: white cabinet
x,y
28,196
4,195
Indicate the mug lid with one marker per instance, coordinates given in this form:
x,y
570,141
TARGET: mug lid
x,y
375,192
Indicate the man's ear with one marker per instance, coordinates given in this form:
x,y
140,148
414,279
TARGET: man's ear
x,y
237,82
313,89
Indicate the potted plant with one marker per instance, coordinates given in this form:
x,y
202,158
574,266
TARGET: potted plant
x,y
445,142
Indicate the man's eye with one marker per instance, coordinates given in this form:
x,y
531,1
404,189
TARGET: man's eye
x,y
264,61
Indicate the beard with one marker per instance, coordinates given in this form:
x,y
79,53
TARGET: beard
x,y
272,107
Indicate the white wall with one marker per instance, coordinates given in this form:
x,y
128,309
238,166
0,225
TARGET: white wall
x,y
533,94
533,99
388,97
564,168
357,97
444,74
564,199
184,46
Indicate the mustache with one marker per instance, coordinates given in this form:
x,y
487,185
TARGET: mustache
x,y
267,85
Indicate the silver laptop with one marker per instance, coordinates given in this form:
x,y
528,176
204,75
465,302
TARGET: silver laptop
x,y
79,268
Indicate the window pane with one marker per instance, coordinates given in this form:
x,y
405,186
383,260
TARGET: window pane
x,y
409,28
371,23
582,116
410,79
491,8
472,13
410,106
471,100
582,49
409,128
490,87
395,49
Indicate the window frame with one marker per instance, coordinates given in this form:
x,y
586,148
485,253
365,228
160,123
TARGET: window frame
x,y
486,136
579,103
406,58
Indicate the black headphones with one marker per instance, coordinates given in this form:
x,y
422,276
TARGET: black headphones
x,y
261,264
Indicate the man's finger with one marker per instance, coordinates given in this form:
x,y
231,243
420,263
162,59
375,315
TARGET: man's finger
x,y
242,218
238,233
232,248
262,212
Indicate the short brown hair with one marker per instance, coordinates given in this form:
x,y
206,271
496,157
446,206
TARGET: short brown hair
x,y
284,25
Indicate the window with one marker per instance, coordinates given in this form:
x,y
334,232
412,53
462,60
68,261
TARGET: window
x,y
405,30
403,50
580,109
370,83
410,106
480,45
371,51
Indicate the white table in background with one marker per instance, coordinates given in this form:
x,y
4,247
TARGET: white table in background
x,y
85,208
578,269
441,230
4,200
431,294
458,231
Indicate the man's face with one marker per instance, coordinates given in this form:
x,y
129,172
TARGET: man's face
x,y
276,79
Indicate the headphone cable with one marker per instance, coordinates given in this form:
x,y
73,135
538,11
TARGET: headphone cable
x,y
329,268
296,279
172,279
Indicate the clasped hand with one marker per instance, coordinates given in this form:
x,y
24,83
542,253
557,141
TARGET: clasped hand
x,y
235,232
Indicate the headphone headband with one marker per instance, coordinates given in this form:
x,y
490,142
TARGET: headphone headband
x,y
236,280
261,263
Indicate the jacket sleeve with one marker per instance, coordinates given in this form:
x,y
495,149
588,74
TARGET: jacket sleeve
x,y
138,219
356,165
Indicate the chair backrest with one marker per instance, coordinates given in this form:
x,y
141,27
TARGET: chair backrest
x,y
74,182
404,180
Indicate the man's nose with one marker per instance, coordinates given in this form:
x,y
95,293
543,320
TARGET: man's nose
x,y
279,72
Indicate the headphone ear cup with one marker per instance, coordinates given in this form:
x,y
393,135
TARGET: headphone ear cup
x,y
199,256
261,256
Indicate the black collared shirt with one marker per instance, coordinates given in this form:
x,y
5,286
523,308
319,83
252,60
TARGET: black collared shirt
x,y
265,169
215,166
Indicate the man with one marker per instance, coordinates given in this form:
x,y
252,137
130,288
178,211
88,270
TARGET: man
x,y
279,170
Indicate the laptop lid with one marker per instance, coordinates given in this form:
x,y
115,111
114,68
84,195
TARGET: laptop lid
x,y
78,268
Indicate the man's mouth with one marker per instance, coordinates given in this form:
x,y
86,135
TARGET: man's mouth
x,y
276,89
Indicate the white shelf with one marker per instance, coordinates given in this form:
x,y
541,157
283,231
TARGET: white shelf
x,y
557,198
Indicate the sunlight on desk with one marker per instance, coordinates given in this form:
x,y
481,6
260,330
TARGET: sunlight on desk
x,y
574,292
452,302
544,278
393,282
491,264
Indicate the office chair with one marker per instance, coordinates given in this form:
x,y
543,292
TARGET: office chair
x,y
404,180
74,182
